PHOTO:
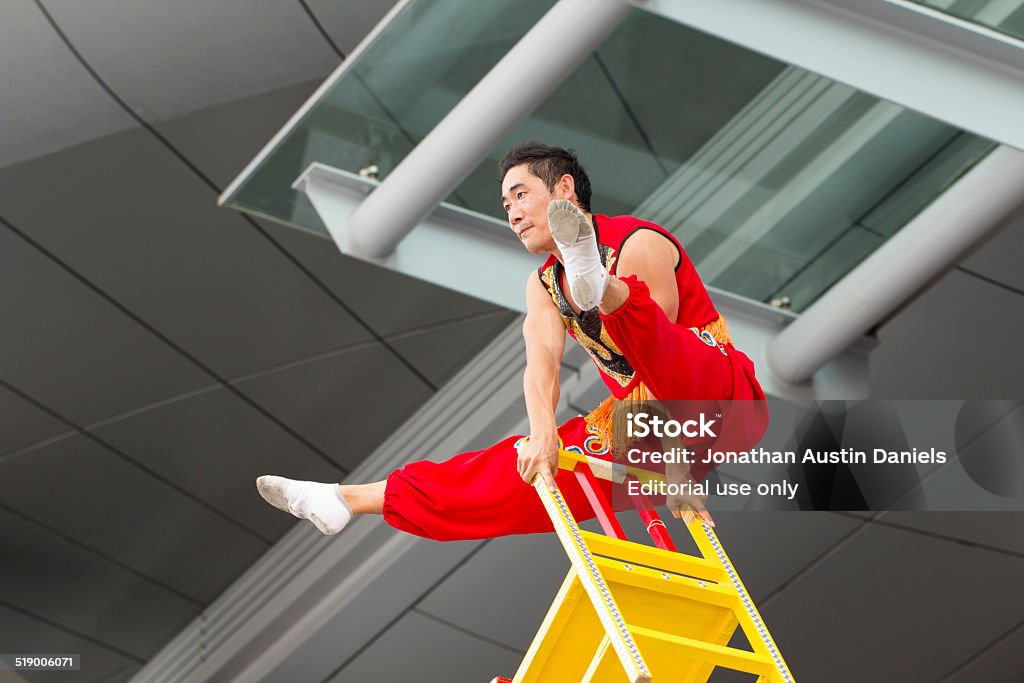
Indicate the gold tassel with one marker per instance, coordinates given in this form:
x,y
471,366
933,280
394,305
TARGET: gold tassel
x,y
719,329
610,423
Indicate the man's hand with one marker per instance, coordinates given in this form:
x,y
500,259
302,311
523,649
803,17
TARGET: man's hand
x,y
539,455
680,503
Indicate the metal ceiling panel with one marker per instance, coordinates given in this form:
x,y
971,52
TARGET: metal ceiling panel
x,y
902,597
997,531
958,317
20,632
429,650
221,139
348,22
130,217
528,569
215,445
951,484
50,101
346,403
122,676
263,626
74,351
100,500
768,548
389,302
74,589
999,258
442,351
24,423
193,53
1000,664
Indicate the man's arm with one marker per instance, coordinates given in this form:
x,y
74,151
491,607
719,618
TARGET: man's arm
x,y
544,334
652,258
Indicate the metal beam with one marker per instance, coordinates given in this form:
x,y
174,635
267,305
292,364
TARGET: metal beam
x,y
538,64
953,70
933,241
493,266
491,263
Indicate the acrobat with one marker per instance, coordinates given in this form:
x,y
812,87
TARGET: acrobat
x,y
621,287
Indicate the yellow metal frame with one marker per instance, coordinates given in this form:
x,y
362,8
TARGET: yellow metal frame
x,y
629,612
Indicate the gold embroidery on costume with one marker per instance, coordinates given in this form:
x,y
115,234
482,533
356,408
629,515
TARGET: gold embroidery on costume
x,y
589,344
586,327
547,276
607,340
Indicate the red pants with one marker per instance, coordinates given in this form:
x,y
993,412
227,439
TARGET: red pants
x,y
480,494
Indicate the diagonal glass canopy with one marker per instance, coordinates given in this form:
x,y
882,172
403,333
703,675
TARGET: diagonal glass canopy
x,y
778,181
1005,16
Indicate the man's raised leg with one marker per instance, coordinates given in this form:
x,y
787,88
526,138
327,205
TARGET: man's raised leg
x,y
577,244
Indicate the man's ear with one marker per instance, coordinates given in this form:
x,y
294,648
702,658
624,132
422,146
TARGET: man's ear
x,y
565,188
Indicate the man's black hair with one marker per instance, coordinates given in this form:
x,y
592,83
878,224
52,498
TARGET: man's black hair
x,y
549,164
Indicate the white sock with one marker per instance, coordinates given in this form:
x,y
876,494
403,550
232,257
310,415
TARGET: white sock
x,y
321,504
577,241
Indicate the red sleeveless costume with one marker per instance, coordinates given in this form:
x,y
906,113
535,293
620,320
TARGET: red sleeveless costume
x,y
479,494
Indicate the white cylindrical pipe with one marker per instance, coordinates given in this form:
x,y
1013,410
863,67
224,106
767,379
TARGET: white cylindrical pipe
x,y
933,241
532,69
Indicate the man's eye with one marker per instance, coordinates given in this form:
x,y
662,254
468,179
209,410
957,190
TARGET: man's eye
x,y
520,195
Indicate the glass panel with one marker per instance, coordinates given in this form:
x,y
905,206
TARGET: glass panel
x,y
401,87
778,181
1006,16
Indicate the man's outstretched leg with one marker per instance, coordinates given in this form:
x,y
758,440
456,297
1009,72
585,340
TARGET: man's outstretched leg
x,y
328,506
478,494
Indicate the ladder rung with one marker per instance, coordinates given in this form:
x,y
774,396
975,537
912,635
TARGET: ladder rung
x,y
719,655
595,662
722,595
677,563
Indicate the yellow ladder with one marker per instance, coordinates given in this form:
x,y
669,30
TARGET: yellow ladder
x,y
632,612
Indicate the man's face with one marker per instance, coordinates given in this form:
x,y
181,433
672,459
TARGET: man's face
x,y
526,198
